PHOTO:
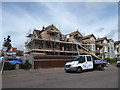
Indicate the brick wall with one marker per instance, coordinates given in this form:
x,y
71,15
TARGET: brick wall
x,y
49,61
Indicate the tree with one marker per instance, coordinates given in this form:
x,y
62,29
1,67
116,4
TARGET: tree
x,y
7,43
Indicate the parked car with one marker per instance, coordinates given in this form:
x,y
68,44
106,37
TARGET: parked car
x,y
13,60
118,62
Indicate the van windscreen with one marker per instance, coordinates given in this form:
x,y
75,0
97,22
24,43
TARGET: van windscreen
x,y
78,58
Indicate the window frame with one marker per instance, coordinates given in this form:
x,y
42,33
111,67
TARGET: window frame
x,y
89,59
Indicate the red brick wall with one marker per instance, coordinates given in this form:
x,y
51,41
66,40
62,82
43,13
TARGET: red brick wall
x,y
49,61
52,57
48,64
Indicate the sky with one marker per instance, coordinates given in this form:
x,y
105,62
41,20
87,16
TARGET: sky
x,y
20,18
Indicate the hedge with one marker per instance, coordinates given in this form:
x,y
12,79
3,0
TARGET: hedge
x,y
111,59
8,66
26,65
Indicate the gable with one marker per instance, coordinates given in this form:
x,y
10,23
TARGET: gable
x,y
76,33
105,41
92,38
52,27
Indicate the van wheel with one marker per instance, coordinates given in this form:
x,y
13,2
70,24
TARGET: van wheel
x,y
79,69
102,67
66,71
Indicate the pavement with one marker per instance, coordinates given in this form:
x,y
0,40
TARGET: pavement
x,y
57,78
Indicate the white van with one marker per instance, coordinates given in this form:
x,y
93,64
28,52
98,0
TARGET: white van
x,y
84,62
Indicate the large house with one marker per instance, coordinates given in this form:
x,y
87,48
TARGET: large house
x,y
102,47
117,49
111,48
89,42
50,41
75,36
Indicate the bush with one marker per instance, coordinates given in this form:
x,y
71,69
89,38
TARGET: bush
x,y
107,59
8,66
111,60
26,65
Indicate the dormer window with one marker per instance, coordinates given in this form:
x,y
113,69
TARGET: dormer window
x,y
51,29
77,37
54,35
105,41
92,39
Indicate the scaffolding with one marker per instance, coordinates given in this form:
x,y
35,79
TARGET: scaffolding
x,y
53,46
50,47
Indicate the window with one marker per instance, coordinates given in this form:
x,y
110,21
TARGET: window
x,y
117,49
93,47
82,58
78,58
12,59
92,39
89,58
108,49
105,48
105,41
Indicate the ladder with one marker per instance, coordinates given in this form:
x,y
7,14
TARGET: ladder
x,y
86,51
51,44
52,47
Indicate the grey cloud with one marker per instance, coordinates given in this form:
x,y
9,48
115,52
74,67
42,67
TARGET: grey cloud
x,y
11,32
100,29
91,22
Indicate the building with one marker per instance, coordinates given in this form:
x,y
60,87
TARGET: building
x,y
0,53
117,49
12,52
48,46
102,47
111,48
89,42
50,41
75,36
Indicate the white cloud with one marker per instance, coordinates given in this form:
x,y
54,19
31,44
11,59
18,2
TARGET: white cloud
x,y
18,26
65,16
60,0
88,21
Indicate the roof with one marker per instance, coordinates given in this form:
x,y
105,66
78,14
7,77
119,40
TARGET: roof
x,y
73,33
110,40
117,42
29,35
88,36
101,39
38,32
50,27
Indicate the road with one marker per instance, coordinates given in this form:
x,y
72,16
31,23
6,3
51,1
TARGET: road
x,y
57,78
